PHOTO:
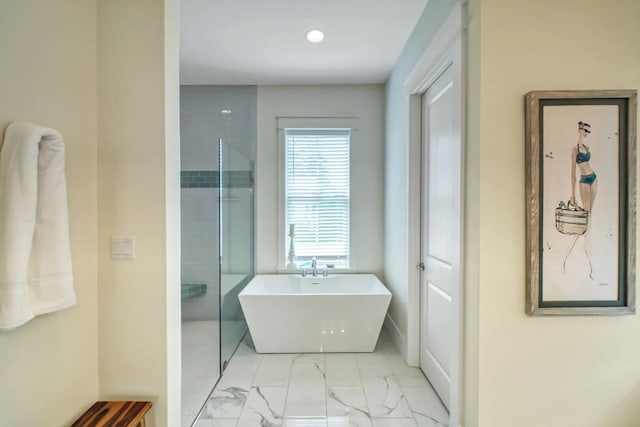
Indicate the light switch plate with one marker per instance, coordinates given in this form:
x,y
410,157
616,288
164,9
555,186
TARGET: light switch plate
x,y
123,247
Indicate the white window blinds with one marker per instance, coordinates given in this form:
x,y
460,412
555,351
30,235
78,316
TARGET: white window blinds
x,y
317,193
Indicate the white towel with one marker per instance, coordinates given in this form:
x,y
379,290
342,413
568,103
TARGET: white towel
x,y
35,256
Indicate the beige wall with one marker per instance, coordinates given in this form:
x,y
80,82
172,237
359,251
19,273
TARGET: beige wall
x,y
48,371
138,179
367,168
59,57
173,331
542,371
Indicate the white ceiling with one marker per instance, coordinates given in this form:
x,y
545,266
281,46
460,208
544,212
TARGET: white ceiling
x,y
263,41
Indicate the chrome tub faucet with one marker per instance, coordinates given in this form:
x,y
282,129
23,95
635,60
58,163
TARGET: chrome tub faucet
x,y
315,270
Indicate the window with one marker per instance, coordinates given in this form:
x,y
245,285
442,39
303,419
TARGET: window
x,y
317,193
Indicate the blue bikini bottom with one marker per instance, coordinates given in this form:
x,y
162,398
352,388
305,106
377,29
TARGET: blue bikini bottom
x,y
588,179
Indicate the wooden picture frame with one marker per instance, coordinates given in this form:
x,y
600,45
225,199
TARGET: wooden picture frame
x,y
581,202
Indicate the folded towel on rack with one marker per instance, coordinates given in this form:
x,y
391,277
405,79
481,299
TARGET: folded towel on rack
x,y
35,256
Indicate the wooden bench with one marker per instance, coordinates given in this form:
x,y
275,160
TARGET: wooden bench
x,y
114,413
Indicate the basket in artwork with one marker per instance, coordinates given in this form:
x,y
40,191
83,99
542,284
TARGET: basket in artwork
x,y
571,219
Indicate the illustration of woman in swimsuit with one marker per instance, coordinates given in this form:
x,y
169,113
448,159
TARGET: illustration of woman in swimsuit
x,y
588,185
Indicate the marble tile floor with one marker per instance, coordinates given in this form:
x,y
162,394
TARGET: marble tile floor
x,y
200,365
323,390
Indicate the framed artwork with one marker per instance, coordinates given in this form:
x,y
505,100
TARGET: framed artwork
x,y
581,202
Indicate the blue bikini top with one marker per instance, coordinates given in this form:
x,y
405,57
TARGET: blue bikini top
x,y
582,157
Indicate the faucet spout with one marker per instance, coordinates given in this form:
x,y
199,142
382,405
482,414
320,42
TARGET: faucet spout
x,y
315,271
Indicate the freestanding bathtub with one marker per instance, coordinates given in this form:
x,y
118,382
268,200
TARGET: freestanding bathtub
x,y
295,314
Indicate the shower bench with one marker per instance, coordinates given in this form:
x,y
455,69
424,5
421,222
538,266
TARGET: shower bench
x,y
109,413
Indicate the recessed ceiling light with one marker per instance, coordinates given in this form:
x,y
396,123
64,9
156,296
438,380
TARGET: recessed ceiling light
x,y
226,111
315,36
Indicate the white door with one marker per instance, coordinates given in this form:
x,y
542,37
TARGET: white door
x,y
441,232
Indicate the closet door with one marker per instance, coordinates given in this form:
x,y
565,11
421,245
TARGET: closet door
x,y
441,232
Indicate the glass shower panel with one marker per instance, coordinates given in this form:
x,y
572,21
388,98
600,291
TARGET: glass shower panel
x,y
199,287
236,244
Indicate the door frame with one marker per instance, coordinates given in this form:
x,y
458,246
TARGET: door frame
x,y
447,48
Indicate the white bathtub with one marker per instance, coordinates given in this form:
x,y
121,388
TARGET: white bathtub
x,y
294,314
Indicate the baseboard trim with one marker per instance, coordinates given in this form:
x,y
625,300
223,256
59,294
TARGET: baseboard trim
x,y
396,335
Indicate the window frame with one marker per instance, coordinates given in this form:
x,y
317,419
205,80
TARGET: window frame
x,y
328,123
343,135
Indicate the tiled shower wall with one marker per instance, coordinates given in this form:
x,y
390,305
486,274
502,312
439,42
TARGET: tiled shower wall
x,y
202,123
200,251
208,113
